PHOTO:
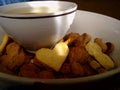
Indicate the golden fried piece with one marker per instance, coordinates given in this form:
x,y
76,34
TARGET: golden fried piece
x,y
14,56
77,54
55,57
14,48
4,42
103,59
41,65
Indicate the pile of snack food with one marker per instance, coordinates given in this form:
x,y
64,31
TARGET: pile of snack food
x,y
74,56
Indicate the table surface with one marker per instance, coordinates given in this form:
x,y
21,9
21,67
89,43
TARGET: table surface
x,y
106,7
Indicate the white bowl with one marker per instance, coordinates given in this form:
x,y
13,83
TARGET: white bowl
x,y
96,25
37,24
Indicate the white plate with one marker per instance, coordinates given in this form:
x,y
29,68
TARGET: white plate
x,y
96,25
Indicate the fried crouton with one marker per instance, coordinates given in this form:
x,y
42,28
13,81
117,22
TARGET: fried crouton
x,y
14,56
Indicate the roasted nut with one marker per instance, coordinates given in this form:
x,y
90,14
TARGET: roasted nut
x,y
86,38
101,44
77,69
78,54
110,48
96,66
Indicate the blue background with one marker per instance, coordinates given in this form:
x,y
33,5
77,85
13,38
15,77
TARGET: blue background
x,y
4,2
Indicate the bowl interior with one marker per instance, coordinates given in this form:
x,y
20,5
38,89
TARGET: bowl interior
x,y
38,7
97,26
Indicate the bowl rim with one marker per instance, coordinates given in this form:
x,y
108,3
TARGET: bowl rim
x,y
26,80
69,10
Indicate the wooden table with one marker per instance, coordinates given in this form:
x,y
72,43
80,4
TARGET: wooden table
x,y
106,7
